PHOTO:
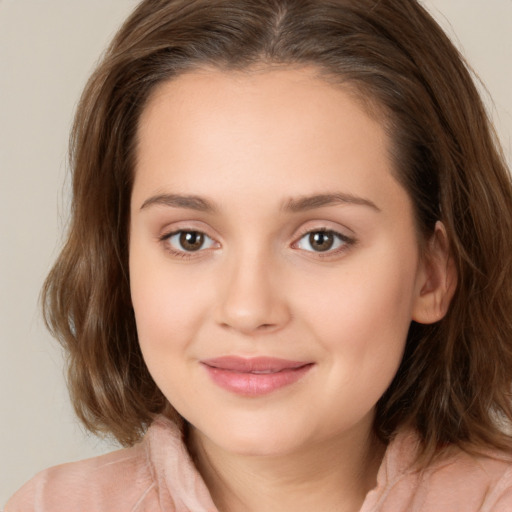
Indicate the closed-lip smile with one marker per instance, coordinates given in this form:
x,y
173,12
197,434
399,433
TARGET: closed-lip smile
x,y
255,376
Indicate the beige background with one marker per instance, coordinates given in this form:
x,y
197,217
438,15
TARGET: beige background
x,y
47,50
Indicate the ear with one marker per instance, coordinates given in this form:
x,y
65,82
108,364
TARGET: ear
x,y
437,279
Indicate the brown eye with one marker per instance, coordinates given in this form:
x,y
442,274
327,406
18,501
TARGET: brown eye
x,y
324,240
184,242
321,240
191,240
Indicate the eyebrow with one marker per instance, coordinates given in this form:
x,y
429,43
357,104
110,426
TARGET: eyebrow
x,y
180,201
319,200
300,204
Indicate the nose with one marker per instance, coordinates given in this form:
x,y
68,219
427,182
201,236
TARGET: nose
x,y
253,297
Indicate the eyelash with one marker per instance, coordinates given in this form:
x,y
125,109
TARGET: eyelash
x,y
346,242
182,253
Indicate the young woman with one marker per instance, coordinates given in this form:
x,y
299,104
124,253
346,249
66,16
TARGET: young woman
x,y
287,280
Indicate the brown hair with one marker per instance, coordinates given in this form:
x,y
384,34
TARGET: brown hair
x,y
455,379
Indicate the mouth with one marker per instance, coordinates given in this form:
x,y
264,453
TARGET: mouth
x,y
255,376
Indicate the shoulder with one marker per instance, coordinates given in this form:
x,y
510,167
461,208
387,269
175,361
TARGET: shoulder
x,y
115,481
483,481
457,481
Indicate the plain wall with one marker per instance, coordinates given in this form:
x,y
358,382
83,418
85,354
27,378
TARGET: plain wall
x,y
47,50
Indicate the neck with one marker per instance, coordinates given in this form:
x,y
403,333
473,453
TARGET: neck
x,y
334,475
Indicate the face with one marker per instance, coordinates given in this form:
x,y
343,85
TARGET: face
x,y
274,260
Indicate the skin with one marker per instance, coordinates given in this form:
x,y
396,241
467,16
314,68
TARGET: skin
x,y
252,145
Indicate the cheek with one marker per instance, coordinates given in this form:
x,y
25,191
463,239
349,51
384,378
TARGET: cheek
x,y
167,305
361,318
374,297
168,314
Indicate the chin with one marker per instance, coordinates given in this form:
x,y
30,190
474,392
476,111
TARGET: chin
x,y
255,439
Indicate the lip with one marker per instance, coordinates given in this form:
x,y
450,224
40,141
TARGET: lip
x,y
255,376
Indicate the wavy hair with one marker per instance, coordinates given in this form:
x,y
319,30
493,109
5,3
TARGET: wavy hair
x,y
454,382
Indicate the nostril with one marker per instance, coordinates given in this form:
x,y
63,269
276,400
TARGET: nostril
x,y
262,327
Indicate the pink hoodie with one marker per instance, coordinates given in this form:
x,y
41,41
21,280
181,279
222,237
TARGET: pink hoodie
x,y
157,475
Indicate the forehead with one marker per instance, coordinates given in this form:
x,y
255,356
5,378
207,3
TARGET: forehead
x,y
286,131
277,85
